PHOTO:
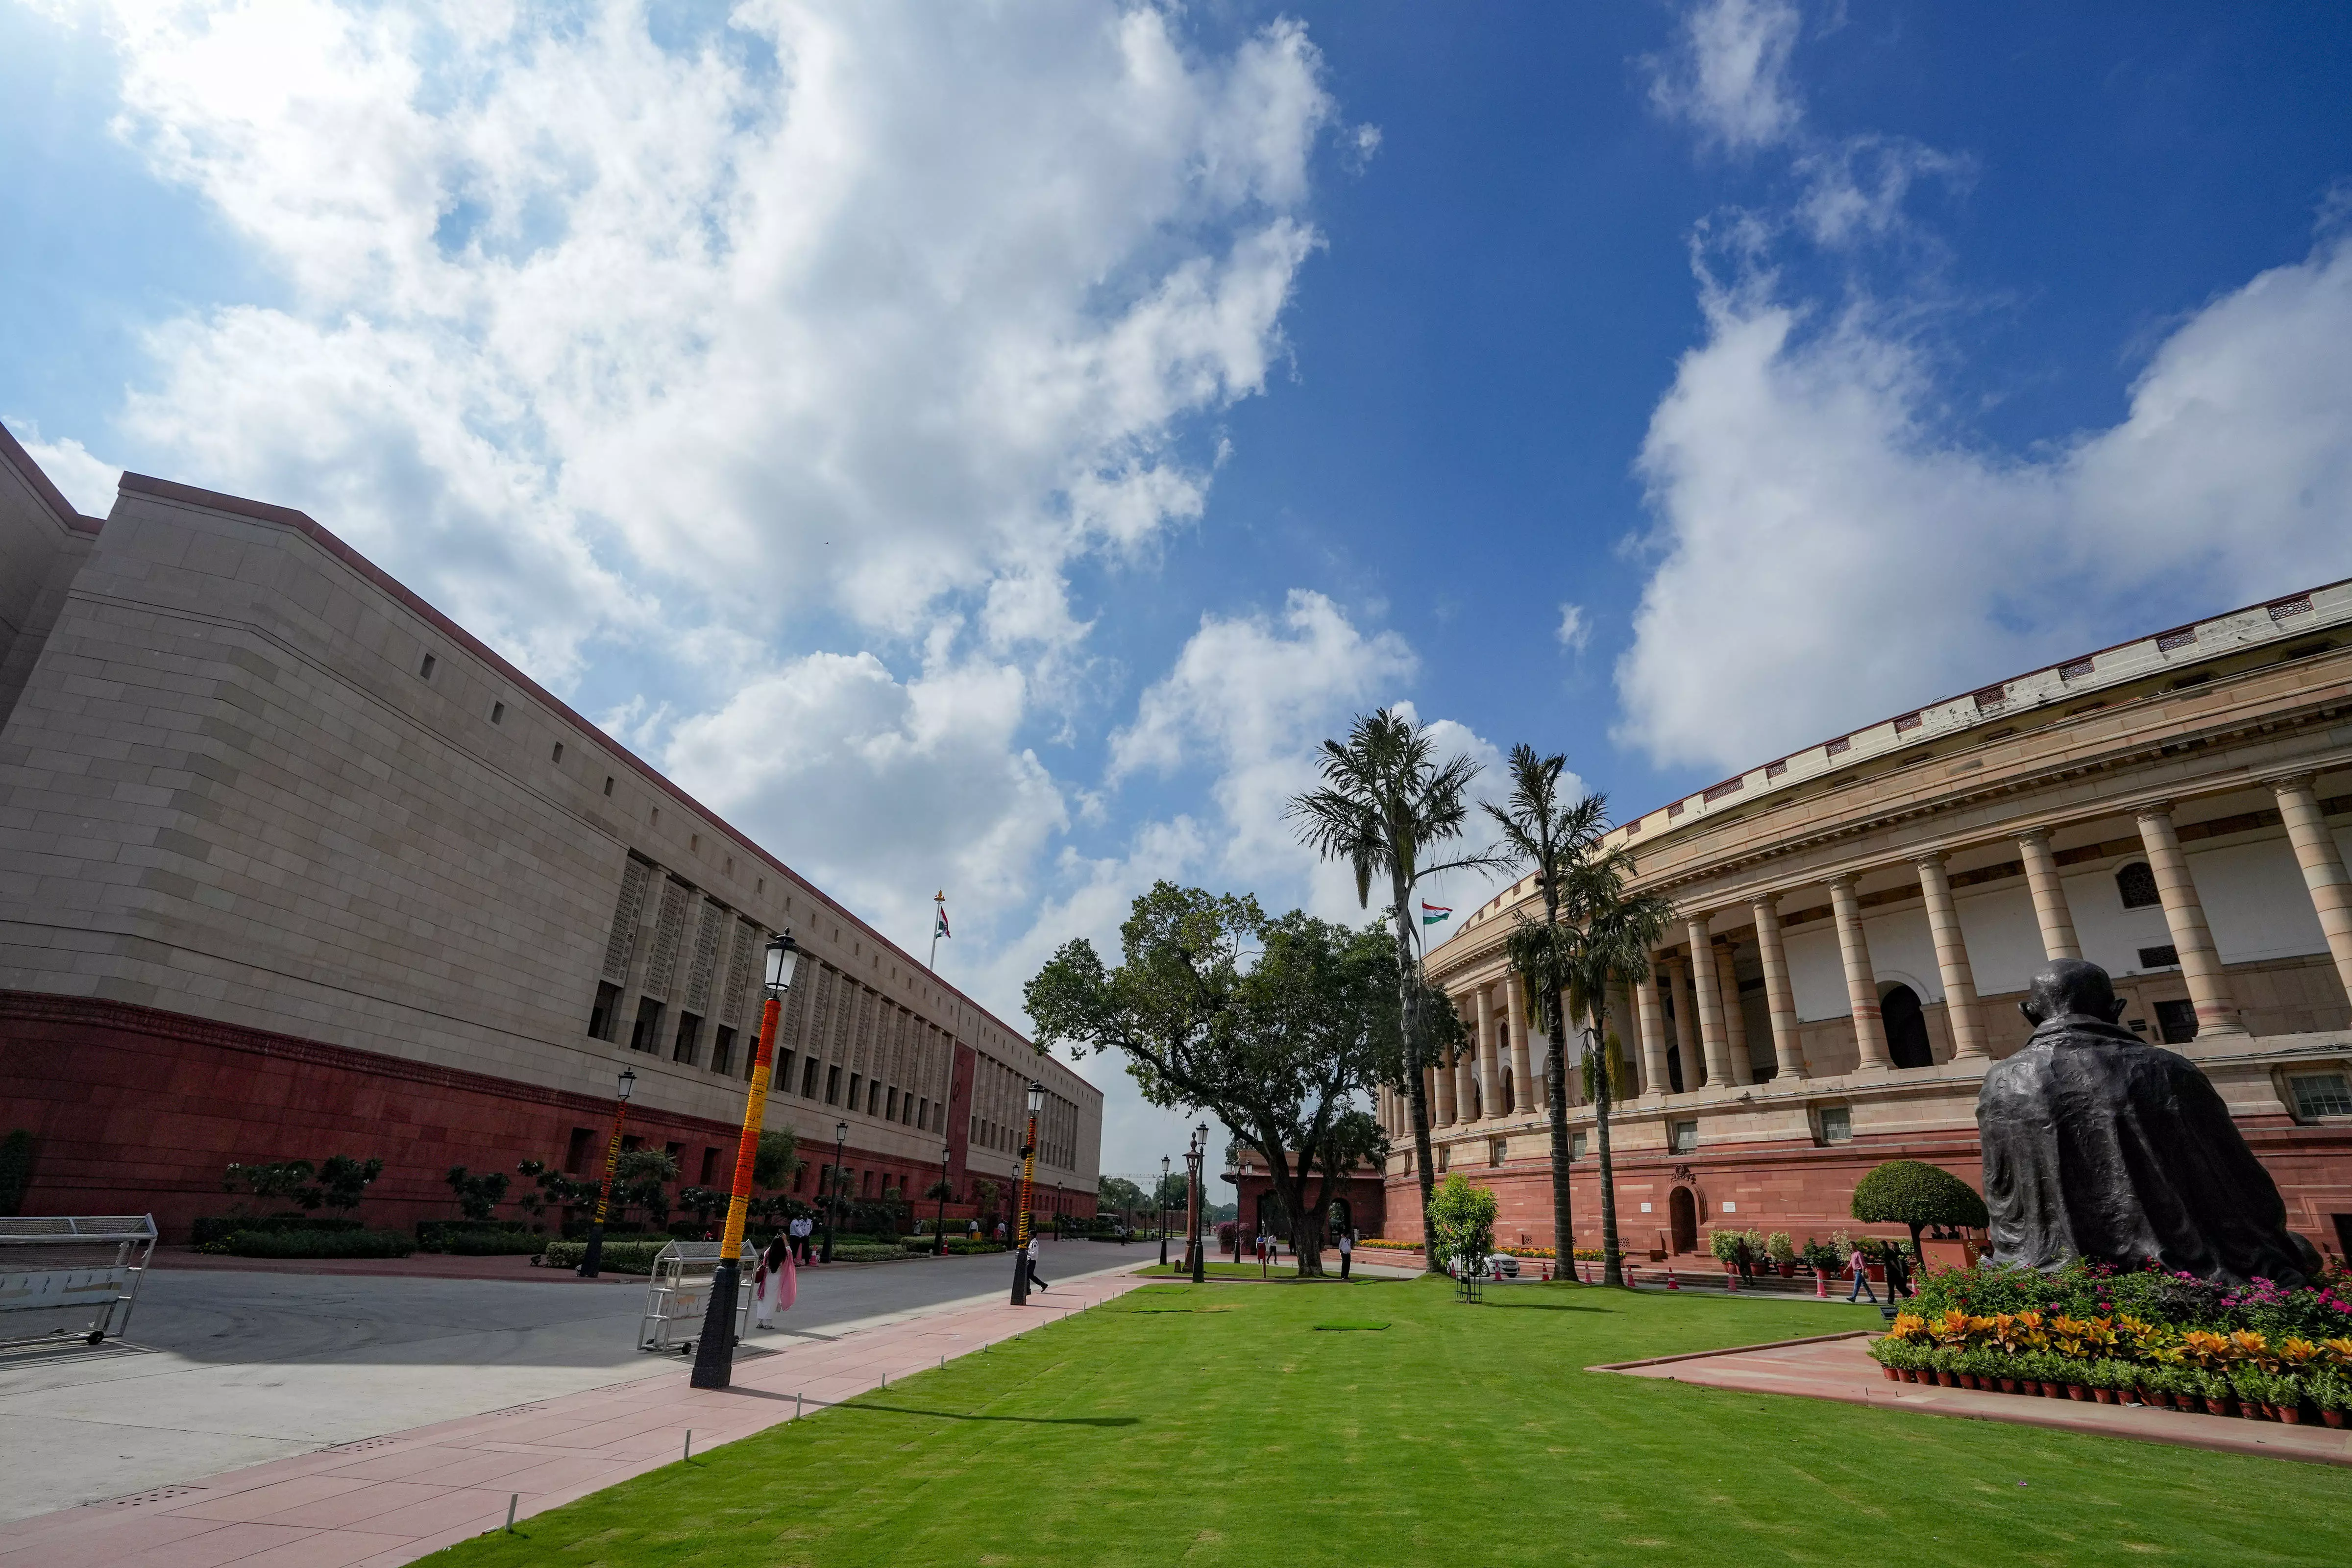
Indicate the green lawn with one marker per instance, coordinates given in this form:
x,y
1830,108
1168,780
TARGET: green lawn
x,y
1147,1432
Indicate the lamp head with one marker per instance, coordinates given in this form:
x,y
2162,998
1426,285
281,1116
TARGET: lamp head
x,y
784,957
840,1131
628,1082
1036,1097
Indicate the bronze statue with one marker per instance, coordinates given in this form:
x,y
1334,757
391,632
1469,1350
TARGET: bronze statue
x,y
2101,1146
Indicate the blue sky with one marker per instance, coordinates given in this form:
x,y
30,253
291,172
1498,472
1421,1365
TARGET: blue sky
x,y
987,453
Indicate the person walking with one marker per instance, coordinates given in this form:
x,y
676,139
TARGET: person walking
x,y
1898,1274
1037,1280
1745,1260
772,1282
1860,1266
1347,1253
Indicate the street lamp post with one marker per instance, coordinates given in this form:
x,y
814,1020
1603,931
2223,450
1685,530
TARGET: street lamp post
x,y
1163,1211
1021,1215
832,1188
1199,1161
714,1354
939,1225
595,1257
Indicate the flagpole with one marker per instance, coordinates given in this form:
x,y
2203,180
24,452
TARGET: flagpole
x,y
940,899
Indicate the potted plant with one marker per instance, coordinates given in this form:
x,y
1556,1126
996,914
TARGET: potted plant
x,y
2252,1386
2331,1390
1782,1252
2110,1380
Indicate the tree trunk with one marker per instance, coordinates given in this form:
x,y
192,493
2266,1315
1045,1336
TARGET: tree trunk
x,y
1612,1269
1563,1217
1416,1052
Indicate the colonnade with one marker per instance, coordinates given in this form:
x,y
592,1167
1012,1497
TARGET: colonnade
x,y
1712,1029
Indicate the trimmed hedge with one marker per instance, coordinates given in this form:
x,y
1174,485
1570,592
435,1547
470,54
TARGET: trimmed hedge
x,y
619,1257
491,1244
432,1234
214,1228
867,1252
315,1244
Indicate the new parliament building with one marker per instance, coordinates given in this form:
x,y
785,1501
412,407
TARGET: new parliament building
x,y
292,866
1856,923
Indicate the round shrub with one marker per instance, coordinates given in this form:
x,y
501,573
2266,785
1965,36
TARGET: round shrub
x,y
1915,1194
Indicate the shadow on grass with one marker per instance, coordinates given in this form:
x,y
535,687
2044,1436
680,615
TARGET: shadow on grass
x,y
1025,1420
1544,1307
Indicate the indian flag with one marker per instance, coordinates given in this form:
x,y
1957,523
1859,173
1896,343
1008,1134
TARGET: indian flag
x,y
1431,914
941,929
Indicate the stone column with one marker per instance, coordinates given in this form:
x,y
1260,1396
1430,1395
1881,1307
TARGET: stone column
x,y
2048,897
1651,1019
1621,1023
1490,1076
1706,985
2322,869
1688,1042
1861,983
1734,1016
1523,1080
2201,962
1441,1099
1952,962
1466,1106
1779,996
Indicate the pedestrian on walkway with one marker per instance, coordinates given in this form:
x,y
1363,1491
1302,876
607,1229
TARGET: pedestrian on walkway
x,y
772,1282
799,1231
1347,1253
1898,1274
1746,1259
1037,1280
1860,1264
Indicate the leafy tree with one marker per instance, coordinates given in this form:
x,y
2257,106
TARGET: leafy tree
x,y
477,1196
1915,1194
341,1182
1117,1194
641,1179
777,1160
1280,1047
985,1194
1591,929
1462,1220
1385,802
556,1189
705,1203
941,1191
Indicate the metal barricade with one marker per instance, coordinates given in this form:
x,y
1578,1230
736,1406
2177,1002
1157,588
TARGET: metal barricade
x,y
680,1294
47,1271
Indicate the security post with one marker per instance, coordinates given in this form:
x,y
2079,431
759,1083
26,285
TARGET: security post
x,y
1020,1213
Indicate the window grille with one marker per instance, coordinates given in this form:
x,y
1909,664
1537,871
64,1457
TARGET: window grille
x,y
1676,809
1908,722
1838,747
1728,786
2298,605
1774,769
2176,1022
2075,669
1837,1124
1683,1136
2320,1094
2181,638
1992,696
2136,884
2164,957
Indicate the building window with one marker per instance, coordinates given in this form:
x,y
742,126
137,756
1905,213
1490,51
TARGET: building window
x,y
1682,1137
1445,1157
1837,1124
856,1082
556,755
1495,1148
690,1033
923,1113
608,783
604,1016
891,1106
873,1099
2176,1022
575,1155
2137,883
2320,1094
424,670
497,712
2164,957
808,1079
709,1167
722,1049
832,1086
1576,1146
645,1034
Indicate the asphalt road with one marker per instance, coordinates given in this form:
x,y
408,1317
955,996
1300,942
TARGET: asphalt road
x,y
223,1370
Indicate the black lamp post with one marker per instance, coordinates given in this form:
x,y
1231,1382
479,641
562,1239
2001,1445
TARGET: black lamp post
x,y
1021,1215
1193,1160
595,1257
1163,1211
714,1353
939,1225
832,1187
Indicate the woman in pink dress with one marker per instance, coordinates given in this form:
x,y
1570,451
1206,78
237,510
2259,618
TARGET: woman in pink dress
x,y
774,1282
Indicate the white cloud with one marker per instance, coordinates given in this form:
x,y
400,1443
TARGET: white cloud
x,y
87,481
1573,631
1830,552
1727,73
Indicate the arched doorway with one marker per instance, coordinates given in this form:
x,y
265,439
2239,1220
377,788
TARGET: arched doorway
x,y
1906,1028
1682,1217
1341,1219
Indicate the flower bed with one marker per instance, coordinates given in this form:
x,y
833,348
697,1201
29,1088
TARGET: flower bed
x,y
2171,1341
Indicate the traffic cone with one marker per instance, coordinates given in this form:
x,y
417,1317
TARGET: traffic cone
x,y
1730,1283
1672,1283
1820,1286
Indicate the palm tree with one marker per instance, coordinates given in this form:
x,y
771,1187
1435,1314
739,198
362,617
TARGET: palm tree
x,y
1590,930
1385,800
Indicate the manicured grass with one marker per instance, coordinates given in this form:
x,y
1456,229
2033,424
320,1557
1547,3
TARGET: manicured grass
x,y
1150,1431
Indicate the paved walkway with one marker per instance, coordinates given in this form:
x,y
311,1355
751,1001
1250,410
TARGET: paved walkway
x,y
391,1500
1840,1368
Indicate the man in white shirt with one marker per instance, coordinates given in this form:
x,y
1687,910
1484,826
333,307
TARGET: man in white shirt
x,y
1035,1282
1347,1252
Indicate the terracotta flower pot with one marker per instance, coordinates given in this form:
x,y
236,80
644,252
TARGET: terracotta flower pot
x,y
1893,1374
2333,1418
2252,1410
2052,1390
1947,1379
2225,1405
1968,1379
2078,1394
2156,1397
2008,1385
2103,1395
2291,1414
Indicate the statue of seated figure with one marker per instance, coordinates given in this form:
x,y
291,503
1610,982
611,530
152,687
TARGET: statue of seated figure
x,y
2099,1145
